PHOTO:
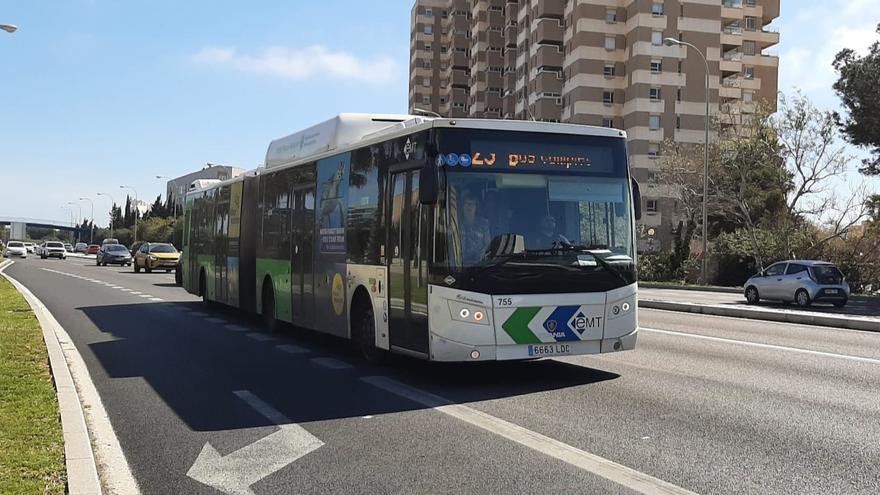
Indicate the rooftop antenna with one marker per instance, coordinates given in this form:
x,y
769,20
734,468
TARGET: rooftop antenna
x,y
429,113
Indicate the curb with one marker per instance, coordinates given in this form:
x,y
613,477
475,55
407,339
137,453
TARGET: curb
x,y
74,389
758,314
730,290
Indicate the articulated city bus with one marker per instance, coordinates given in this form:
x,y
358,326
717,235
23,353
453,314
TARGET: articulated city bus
x,y
443,239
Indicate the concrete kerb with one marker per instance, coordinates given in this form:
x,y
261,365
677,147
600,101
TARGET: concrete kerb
x,y
727,290
83,417
852,323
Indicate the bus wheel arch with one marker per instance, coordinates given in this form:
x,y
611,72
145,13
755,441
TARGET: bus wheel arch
x,y
363,326
267,294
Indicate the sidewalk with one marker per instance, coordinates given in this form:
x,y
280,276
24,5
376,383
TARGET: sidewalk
x,y
862,313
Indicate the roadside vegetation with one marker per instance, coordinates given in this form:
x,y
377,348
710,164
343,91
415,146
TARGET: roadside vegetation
x,y
31,441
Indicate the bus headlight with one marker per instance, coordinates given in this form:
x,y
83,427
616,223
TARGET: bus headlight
x,y
468,313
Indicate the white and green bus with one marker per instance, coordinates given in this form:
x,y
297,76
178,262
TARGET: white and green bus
x,y
443,239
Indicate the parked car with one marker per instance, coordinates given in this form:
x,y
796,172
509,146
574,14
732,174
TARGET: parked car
x,y
15,248
81,247
93,249
29,246
52,249
109,240
113,254
68,247
155,256
800,281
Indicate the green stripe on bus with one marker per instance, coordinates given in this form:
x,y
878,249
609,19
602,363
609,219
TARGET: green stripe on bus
x,y
517,325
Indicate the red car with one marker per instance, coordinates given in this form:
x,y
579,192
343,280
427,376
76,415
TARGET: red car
x,y
93,249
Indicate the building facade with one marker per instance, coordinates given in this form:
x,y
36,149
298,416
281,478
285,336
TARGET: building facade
x,y
176,188
597,62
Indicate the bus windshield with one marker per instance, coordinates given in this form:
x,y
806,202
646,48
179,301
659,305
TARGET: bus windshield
x,y
585,214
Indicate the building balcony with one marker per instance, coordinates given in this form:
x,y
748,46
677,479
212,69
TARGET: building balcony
x,y
548,56
459,78
763,39
460,59
553,9
550,32
548,82
510,33
728,66
729,92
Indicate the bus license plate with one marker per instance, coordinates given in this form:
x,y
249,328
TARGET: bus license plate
x,y
549,349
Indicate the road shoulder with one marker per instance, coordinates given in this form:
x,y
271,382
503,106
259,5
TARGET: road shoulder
x,y
84,420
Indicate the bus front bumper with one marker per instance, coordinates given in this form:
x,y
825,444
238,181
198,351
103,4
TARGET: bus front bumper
x,y
443,349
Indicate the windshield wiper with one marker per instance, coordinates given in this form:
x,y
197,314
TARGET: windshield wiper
x,y
569,247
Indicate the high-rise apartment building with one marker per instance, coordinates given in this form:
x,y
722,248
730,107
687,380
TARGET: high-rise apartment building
x,y
597,62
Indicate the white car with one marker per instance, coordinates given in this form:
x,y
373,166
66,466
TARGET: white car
x,y
52,249
15,248
29,246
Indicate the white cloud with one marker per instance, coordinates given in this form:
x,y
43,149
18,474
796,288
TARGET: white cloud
x,y
299,64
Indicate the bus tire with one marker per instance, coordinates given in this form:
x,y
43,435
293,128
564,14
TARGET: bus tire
x,y
363,326
269,320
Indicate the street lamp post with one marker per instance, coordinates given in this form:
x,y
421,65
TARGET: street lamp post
x,y
78,217
705,261
112,206
92,223
135,210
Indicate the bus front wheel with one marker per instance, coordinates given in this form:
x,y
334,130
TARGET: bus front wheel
x,y
365,334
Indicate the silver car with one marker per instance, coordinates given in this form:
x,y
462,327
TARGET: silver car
x,y
801,281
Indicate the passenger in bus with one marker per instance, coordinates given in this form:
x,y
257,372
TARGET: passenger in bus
x,y
547,237
475,234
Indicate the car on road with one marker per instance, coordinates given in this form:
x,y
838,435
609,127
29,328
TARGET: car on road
x,y
52,249
113,254
109,240
93,249
68,247
81,247
155,256
800,281
15,248
38,249
29,246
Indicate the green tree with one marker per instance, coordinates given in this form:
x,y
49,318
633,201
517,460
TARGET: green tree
x,y
858,86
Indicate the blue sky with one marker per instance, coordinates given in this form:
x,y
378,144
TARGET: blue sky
x,y
98,93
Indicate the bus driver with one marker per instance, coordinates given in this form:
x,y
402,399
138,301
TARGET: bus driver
x,y
475,234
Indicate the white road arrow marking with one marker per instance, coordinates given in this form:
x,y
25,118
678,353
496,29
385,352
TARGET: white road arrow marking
x,y
236,472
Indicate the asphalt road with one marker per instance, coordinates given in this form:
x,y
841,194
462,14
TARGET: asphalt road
x,y
867,308
709,404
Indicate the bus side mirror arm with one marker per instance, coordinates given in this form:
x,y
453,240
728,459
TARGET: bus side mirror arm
x,y
637,199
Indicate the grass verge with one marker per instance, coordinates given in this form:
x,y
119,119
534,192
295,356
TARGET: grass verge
x,y
31,441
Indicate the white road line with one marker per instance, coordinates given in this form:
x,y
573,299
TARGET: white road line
x,y
764,346
145,296
136,293
156,299
115,287
198,314
330,363
768,322
215,320
292,349
237,328
125,290
262,337
618,473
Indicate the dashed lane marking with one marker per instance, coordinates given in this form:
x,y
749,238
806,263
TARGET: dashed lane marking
x,y
292,349
156,299
237,328
331,363
262,337
215,320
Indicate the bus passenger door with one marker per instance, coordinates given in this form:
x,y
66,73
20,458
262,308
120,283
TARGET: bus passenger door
x,y
221,244
303,279
407,264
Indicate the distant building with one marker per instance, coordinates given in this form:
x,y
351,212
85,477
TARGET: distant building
x,y
177,187
597,62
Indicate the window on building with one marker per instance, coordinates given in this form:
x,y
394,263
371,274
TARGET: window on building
x,y
653,150
751,23
426,82
610,43
427,47
679,66
609,70
607,122
429,29
611,16
748,47
748,96
654,94
678,121
444,48
656,66
657,38
654,122
651,206
608,97
429,12
426,100
426,63
657,8
749,72
678,94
